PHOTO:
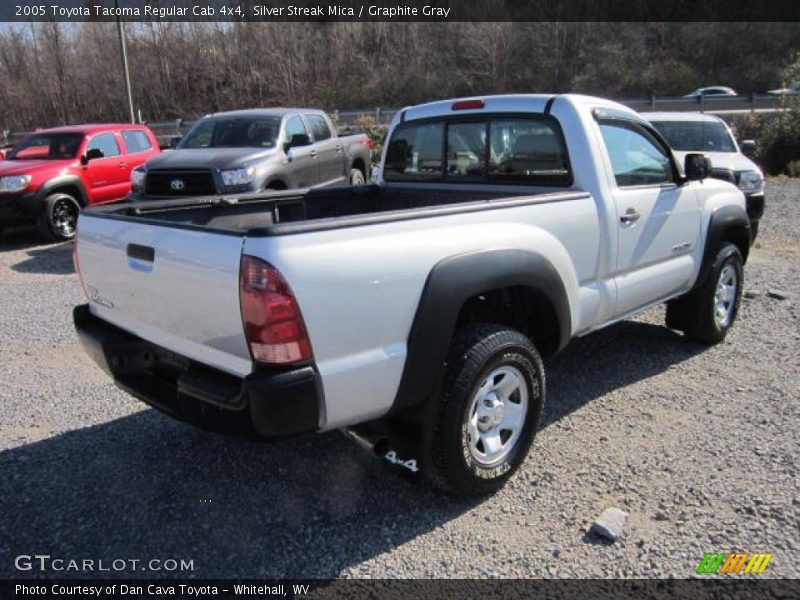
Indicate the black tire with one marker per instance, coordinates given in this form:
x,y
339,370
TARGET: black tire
x,y
696,313
477,352
357,177
58,218
753,232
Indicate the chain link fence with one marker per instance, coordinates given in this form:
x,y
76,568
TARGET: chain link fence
x,y
350,121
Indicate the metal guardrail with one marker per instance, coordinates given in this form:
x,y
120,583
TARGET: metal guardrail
x,y
381,117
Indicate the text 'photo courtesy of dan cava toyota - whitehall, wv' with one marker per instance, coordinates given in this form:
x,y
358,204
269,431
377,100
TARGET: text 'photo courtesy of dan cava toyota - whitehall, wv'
x,y
399,298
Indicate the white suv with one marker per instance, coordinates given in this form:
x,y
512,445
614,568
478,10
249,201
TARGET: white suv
x,y
698,132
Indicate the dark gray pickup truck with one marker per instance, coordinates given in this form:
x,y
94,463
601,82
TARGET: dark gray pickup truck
x,y
253,150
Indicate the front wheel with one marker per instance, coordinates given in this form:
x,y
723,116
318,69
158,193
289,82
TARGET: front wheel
x,y
490,408
357,177
59,217
709,312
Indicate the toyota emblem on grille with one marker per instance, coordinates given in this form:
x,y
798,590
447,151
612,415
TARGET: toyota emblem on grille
x,y
177,185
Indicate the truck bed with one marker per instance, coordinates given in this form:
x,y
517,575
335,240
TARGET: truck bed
x,y
296,212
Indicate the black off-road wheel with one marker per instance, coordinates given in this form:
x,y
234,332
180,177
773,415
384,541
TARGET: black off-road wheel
x,y
489,412
59,217
708,313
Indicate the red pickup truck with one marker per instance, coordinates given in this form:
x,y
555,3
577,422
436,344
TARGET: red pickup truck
x,y
51,174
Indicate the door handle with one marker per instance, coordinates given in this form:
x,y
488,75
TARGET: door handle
x,y
122,165
338,148
630,216
139,252
313,153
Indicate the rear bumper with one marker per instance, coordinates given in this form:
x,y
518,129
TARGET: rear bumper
x,y
266,404
19,208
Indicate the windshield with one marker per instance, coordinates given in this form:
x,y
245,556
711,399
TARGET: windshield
x,y
48,146
696,136
233,132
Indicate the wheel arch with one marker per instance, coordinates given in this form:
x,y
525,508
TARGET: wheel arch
x,y
728,224
475,286
358,163
66,184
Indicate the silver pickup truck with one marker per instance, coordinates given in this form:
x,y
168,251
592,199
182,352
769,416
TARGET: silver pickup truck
x,y
252,150
414,313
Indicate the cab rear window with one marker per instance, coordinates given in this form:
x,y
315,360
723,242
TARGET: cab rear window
x,y
495,149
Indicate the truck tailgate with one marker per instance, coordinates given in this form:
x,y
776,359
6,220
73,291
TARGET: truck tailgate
x,y
177,288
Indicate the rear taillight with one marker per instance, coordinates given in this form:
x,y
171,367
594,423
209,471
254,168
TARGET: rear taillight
x,y
273,325
370,144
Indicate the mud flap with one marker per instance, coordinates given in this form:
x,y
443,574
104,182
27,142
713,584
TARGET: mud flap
x,y
401,441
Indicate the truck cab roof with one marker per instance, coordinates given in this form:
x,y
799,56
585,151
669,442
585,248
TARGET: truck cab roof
x,y
682,117
89,128
512,103
264,112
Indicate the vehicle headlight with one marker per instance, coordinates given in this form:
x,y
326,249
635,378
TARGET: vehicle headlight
x,y
14,183
238,176
137,178
751,182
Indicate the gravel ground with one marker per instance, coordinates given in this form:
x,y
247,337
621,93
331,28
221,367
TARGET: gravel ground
x,y
698,445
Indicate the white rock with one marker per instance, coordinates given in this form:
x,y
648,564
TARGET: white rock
x,y
610,523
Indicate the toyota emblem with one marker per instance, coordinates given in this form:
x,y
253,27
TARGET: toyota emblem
x,y
177,185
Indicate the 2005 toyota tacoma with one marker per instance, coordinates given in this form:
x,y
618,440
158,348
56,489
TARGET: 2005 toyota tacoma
x,y
414,313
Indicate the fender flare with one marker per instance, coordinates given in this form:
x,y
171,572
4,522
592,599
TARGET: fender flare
x,y
450,283
729,223
53,184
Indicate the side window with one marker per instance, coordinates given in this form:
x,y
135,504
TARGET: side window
x,y
136,141
106,143
415,153
319,127
295,126
466,150
636,157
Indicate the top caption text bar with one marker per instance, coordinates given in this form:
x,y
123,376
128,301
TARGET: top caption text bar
x,y
66,11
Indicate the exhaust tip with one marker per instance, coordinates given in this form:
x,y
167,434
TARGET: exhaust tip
x,y
374,443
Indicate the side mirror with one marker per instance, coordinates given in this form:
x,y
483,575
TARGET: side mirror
x,y
696,167
748,147
298,139
175,140
92,154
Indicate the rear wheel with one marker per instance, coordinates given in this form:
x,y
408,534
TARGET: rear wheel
x,y
709,312
59,217
357,177
490,408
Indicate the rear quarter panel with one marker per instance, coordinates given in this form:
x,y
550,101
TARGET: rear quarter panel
x,y
359,288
